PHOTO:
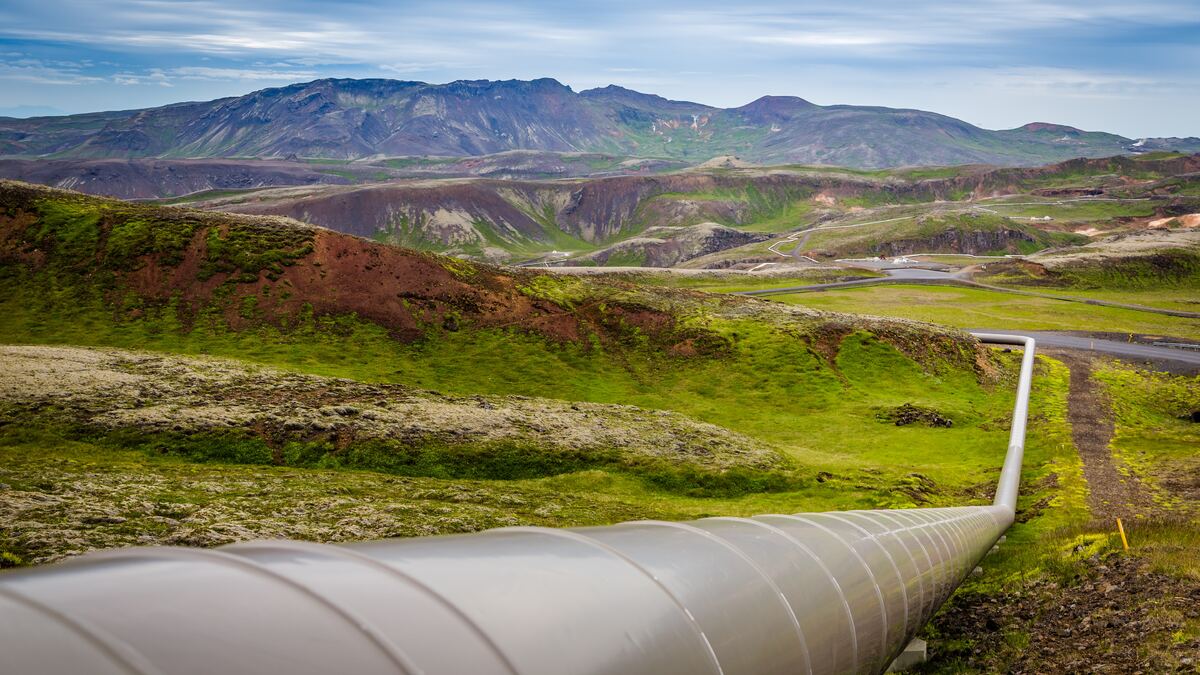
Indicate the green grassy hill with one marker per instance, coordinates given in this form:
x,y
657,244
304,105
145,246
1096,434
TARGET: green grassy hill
x,y
972,232
89,272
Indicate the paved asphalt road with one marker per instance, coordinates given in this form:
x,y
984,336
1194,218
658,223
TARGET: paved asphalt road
x,y
924,276
1187,359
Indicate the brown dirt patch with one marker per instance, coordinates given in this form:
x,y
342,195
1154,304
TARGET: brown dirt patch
x,y
1186,220
1110,493
826,340
1117,616
1182,479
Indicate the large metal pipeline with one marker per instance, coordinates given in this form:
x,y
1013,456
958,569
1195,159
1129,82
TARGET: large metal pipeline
x,y
839,592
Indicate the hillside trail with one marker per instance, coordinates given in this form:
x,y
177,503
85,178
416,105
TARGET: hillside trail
x,y
1111,494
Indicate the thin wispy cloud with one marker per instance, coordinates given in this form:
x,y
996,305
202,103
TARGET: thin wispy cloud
x,y
18,67
996,63
419,67
169,77
1064,82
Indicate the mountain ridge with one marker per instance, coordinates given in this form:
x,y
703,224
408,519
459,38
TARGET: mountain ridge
x,y
353,119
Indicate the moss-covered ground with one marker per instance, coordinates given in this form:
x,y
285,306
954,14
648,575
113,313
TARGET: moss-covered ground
x,y
931,228
90,487
1063,592
1070,210
722,282
1156,437
773,389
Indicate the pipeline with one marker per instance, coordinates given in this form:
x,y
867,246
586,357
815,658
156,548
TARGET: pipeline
x,y
839,592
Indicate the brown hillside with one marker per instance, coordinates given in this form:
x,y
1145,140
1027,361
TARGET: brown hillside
x,y
253,269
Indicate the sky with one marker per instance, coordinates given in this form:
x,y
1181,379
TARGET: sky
x,y
1129,67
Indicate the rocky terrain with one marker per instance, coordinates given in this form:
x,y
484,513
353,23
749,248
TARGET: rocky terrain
x,y
349,119
1138,259
969,232
592,211
670,246
143,178
154,178
106,391
1136,243
1080,623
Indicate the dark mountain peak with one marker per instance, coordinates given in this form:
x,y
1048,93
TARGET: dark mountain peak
x,y
350,118
610,89
384,87
329,88
540,85
615,91
1052,128
778,101
775,108
636,99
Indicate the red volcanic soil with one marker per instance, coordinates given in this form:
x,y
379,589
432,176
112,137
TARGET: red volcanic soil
x,y
319,271
406,291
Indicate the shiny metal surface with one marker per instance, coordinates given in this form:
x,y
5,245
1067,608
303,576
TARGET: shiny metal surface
x,y
836,592
1010,474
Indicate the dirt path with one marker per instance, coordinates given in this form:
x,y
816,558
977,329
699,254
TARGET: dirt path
x,y
1110,494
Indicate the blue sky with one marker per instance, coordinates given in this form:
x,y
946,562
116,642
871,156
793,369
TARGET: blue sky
x,y
1131,67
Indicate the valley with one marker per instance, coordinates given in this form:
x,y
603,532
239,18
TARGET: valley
x,y
743,217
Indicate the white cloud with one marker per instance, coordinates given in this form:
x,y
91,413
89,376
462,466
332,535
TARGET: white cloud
x,y
898,26
1069,82
45,72
248,74
169,76
387,33
823,39
411,67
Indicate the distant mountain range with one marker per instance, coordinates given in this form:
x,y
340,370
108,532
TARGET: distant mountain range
x,y
352,119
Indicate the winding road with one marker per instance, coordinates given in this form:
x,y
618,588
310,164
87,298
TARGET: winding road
x,y
1132,352
1176,358
917,275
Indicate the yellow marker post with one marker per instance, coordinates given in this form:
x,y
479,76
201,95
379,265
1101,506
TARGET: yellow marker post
x,y
1124,541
